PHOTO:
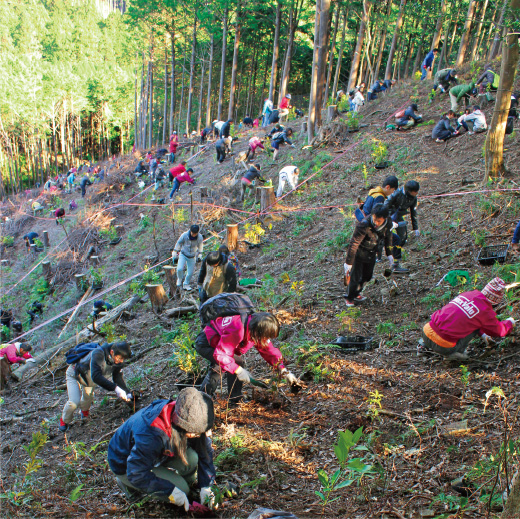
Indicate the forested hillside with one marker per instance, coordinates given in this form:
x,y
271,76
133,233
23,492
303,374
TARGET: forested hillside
x,y
259,259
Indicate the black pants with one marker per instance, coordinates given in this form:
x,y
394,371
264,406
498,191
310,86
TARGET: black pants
x,y
360,274
444,135
399,240
214,376
83,190
221,153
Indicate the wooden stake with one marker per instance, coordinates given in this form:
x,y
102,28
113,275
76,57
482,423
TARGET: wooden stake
x,y
80,282
95,260
71,318
47,270
171,278
158,296
232,236
267,199
46,242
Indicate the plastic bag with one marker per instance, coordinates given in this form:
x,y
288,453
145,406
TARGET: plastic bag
x,y
266,513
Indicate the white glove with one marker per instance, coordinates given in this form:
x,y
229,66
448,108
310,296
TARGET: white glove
x,y
207,497
199,257
243,375
391,261
395,225
175,255
121,393
290,377
179,498
487,339
417,233
347,268
512,321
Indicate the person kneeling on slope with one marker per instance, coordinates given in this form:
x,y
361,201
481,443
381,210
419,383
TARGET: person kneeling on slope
x,y
162,449
443,130
93,369
362,252
469,315
227,338
217,275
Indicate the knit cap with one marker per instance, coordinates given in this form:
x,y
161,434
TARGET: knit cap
x,y
494,290
193,411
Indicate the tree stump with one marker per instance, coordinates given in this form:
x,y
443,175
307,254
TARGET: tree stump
x,y
171,278
47,270
95,260
158,296
34,252
258,194
46,242
81,282
332,113
267,199
304,127
203,193
232,236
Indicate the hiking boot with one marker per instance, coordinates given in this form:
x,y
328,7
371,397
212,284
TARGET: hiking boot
x,y
359,299
127,491
471,133
457,356
188,288
349,303
84,415
397,269
63,426
440,141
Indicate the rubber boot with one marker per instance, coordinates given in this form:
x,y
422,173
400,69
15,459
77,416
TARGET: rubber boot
x,y
397,269
211,381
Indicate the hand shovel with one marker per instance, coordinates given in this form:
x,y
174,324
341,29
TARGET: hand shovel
x,y
258,383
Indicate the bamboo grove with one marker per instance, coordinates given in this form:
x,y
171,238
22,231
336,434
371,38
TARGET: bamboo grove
x,y
82,80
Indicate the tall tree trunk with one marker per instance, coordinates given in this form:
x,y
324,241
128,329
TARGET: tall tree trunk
x,y
294,18
466,34
210,77
172,80
201,93
340,54
455,28
438,26
384,32
276,49
322,57
223,62
314,76
490,30
479,29
181,104
234,69
495,137
398,25
192,76
150,106
165,111
493,52
354,68
331,60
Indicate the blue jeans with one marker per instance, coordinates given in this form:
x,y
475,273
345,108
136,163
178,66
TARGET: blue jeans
x,y
265,120
424,73
172,157
516,235
176,186
183,263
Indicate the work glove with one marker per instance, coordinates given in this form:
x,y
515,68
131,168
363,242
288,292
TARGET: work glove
x,y
487,339
395,225
290,377
391,261
175,255
179,498
347,268
207,497
30,360
417,233
512,321
199,257
242,374
121,393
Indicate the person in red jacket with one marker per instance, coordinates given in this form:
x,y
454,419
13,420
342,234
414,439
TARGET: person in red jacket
x,y
224,342
174,142
469,315
179,179
285,106
16,353
176,170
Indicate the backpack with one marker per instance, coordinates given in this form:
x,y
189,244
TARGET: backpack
x,y
276,136
496,81
400,114
224,305
75,354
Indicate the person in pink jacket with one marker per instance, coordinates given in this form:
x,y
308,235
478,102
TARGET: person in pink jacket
x,y
254,142
16,353
224,342
469,315
179,179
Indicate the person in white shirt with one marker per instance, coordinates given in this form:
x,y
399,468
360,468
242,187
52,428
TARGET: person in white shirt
x,y
188,249
358,101
288,174
474,122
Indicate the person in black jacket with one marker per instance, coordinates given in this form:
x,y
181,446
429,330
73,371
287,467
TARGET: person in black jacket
x,y
217,275
226,129
91,370
281,138
222,147
205,133
85,181
399,203
443,130
248,121
362,251
376,88
249,177
29,239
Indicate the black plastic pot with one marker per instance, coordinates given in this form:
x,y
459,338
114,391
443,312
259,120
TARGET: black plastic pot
x,y
382,165
355,343
98,285
189,381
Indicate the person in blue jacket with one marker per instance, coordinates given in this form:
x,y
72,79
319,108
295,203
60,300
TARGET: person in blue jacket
x,y
427,64
377,195
410,118
377,87
160,449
